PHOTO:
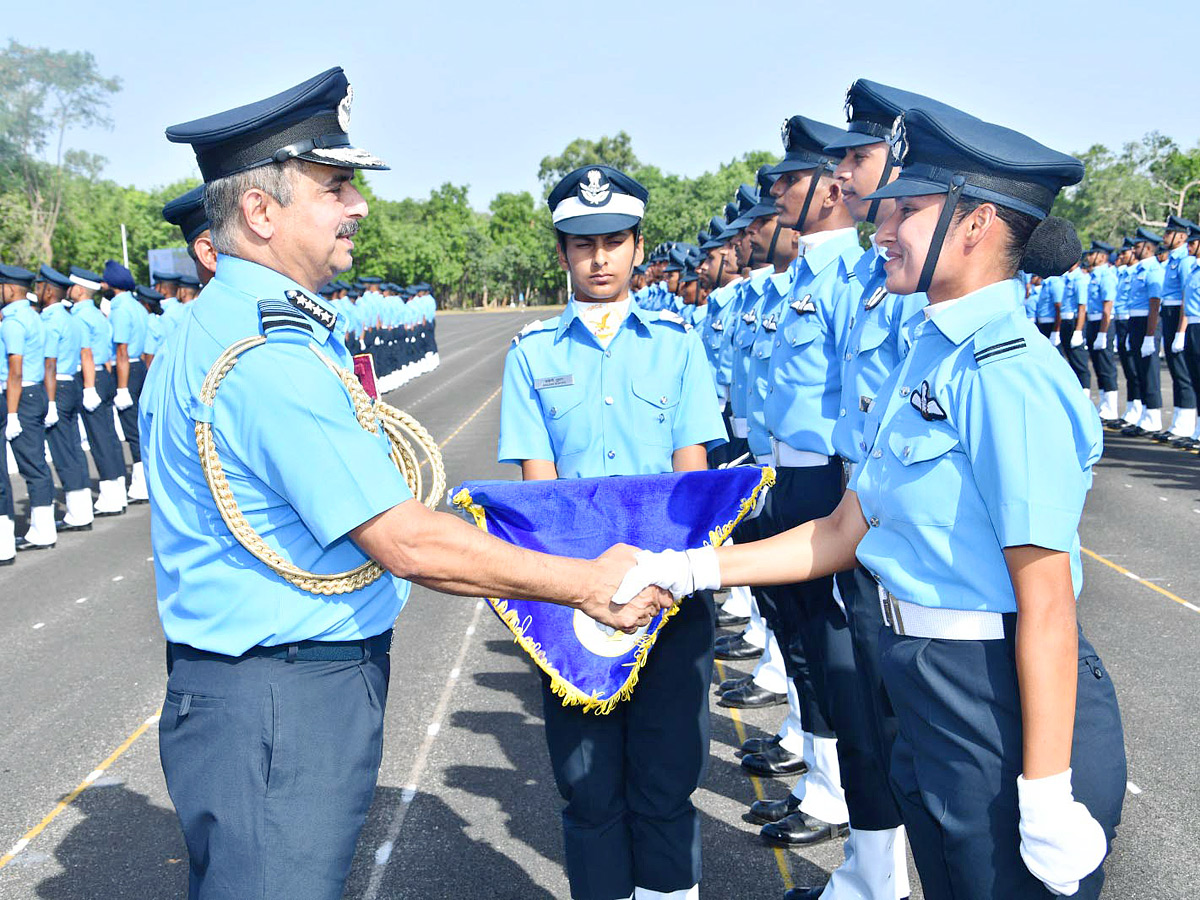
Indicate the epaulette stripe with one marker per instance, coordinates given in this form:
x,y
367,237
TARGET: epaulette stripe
x,y
285,323
998,349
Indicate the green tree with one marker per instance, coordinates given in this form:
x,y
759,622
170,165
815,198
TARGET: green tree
x,y
616,151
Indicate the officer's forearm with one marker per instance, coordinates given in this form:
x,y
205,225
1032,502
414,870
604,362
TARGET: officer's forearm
x,y
812,550
1106,318
122,366
1081,319
1152,319
13,385
51,378
1047,656
87,364
1057,316
693,458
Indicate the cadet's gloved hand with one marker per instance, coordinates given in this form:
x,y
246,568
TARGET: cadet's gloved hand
x,y
1177,342
678,573
1076,339
1060,841
1101,342
1055,338
91,399
124,399
1148,348
13,429
51,415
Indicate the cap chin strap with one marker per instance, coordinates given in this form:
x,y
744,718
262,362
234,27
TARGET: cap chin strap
x,y
939,233
814,181
774,242
888,165
720,272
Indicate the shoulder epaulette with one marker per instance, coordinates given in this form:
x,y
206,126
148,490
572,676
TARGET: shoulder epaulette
x,y
999,340
278,316
667,315
533,327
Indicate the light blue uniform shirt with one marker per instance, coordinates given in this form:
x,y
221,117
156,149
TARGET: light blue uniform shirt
x,y
713,333
1001,457
1174,273
776,290
1075,287
24,335
1145,284
620,411
1050,297
303,471
129,323
156,334
1031,300
744,332
1191,293
723,362
1121,302
805,377
876,345
64,337
1101,289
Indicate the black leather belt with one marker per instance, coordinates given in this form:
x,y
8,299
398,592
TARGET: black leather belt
x,y
306,651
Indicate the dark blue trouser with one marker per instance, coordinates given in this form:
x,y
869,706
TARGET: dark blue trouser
x,y
1102,360
1077,357
65,447
1181,379
1191,352
29,447
956,761
1128,358
129,417
101,432
1149,377
271,766
628,776
6,494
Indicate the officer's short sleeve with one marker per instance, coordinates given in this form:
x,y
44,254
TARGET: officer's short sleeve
x,y
1154,282
1030,451
698,420
293,426
523,433
13,333
121,320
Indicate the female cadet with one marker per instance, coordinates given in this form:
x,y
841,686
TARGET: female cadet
x,y
1009,765
609,388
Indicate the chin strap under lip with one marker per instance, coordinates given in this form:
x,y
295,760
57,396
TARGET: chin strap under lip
x,y
888,165
939,233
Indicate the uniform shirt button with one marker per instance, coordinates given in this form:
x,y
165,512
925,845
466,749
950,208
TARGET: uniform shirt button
x,y
877,454
862,445
612,454
842,413
608,353
904,391
608,401
907,450
874,521
847,356
554,410
662,400
778,343
662,417
771,389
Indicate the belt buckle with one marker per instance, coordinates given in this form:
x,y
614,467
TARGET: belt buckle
x,y
891,614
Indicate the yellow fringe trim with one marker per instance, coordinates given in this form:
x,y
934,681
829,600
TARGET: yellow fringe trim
x,y
570,694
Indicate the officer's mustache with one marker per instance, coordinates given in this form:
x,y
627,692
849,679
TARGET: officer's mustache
x,y
348,229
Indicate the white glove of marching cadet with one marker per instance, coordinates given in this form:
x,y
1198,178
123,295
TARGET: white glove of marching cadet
x,y
1061,843
1076,339
1148,348
1101,342
1177,342
91,399
13,429
1055,338
680,573
124,399
51,415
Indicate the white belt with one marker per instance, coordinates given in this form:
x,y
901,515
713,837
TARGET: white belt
x,y
66,377
765,459
1095,317
1172,303
1045,320
911,620
788,456
25,384
740,428
723,390
1122,317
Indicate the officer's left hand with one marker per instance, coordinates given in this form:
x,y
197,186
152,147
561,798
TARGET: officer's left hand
x,y
1148,348
1061,843
13,429
1101,341
1076,340
1177,341
51,415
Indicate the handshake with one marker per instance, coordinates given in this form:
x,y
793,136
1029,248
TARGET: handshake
x,y
635,585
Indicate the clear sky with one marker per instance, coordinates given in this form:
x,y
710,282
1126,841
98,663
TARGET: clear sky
x,y
478,92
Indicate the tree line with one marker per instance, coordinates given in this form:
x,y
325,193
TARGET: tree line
x,y
57,208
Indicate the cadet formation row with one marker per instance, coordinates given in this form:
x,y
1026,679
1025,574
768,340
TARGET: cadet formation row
x,y
75,352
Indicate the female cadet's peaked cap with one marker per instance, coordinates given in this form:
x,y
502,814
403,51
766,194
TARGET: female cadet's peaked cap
x,y
310,121
947,148
188,213
597,200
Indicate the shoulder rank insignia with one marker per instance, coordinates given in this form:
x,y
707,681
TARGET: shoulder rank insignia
x,y
307,305
533,326
926,404
750,318
277,314
804,305
996,351
667,315
770,323
876,298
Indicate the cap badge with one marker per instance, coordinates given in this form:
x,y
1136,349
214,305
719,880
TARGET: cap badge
x,y
343,110
849,105
785,134
595,191
898,140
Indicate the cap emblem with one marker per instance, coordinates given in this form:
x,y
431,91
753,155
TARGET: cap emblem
x,y
785,134
596,191
343,110
898,140
849,105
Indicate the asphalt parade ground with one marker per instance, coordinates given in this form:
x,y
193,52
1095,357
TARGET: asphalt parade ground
x,y
466,805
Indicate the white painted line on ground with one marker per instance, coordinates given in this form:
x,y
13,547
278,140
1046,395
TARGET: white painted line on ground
x,y
1133,788
81,600
433,729
1131,575
118,578
38,625
1163,499
149,559
1129,485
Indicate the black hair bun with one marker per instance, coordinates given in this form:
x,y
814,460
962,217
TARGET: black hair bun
x,y
1052,249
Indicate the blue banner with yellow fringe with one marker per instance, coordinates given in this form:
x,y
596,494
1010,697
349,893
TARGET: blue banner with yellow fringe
x,y
581,518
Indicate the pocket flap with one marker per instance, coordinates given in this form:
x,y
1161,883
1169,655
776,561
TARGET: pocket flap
x,y
922,447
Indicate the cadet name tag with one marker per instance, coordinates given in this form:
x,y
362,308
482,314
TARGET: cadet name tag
x,y
553,382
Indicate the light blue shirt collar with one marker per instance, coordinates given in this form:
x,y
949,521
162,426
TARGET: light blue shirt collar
x,y
262,283
570,314
820,255
976,309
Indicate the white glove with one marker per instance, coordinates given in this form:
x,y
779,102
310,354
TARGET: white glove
x,y
1148,345
1060,841
1076,339
681,573
1177,342
124,399
13,430
51,415
1055,338
1101,342
91,399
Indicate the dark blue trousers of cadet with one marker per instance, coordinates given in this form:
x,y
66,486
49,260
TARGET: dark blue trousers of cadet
x,y
29,447
6,494
65,447
107,452
129,417
1103,362
1149,376
271,766
628,777
957,757
1077,357
1181,379
1133,386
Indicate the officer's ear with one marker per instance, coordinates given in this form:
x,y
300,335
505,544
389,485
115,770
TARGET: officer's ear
x,y
833,196
639,251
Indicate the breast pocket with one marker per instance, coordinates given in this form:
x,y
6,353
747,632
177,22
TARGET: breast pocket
x,y
654,408
926,470
564,417
870,337
803,362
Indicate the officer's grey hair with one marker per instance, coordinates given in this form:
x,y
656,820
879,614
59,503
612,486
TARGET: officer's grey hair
x,y
223,198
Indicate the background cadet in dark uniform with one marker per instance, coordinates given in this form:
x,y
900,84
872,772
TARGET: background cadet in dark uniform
x,y
1102,296
129,322
1191,310
271,730
1176,268
187,212
1145,297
